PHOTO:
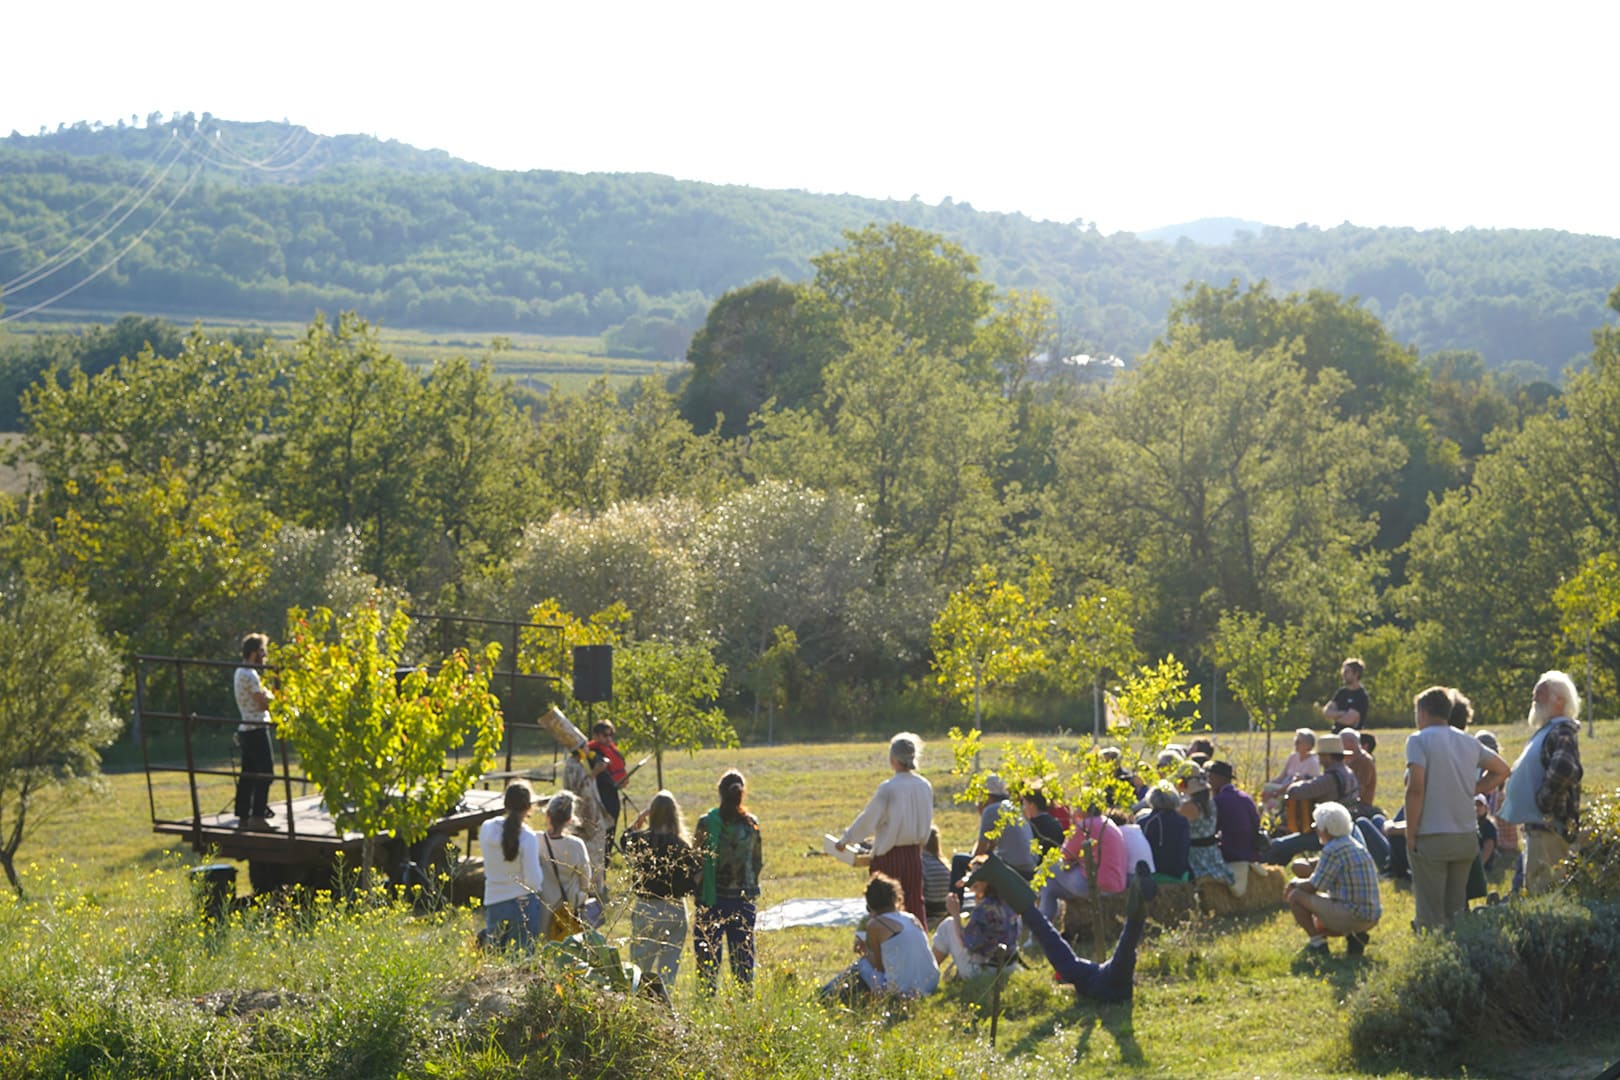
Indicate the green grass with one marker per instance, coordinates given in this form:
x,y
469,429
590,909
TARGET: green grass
x,y
106,957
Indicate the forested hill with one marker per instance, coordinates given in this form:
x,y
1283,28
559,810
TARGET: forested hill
x,y
267,221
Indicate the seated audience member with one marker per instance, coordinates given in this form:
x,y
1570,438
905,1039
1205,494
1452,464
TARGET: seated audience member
x,y
1202,745
1048,833
895,957
1340,898
1203,851
1507,833
1167,833
936,877
974,945
1137,848
1302,764
1109,982
1336,784
1487,832
1095,841
1014,844
1237,821
1363,768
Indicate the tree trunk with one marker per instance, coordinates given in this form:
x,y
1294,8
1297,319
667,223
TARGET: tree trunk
x,y
7,861
368,860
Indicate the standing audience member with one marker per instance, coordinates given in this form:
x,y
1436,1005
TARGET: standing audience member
x,y
733,854
607,765
1095,842
897,819
1349,705
512,874
1544,794
566,861
1487,832
663,866
1203,851
253,736
1167,833
1237,823
1443,774
1341,897
973,945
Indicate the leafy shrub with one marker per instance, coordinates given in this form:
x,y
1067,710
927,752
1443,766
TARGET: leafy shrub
x,y
1594,870
1508,976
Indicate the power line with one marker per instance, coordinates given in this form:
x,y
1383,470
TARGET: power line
x,y
104,267
45,229
72,251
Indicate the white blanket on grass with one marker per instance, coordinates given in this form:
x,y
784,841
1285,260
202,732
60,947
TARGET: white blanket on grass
x,y
846,912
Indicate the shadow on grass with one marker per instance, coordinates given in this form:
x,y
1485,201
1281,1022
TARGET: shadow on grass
x,y
1085,1017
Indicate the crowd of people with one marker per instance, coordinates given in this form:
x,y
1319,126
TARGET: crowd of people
x,y
1463,810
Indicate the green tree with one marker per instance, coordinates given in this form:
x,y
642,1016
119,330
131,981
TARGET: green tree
x,y
350,435
992,634
57,678
1265,665
1094,637
374,743
663,697
1214,479
766,341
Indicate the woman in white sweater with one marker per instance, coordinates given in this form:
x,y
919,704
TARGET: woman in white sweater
x,y
512,875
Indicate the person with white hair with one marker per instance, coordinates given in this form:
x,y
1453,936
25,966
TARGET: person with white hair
x,y
897,820
1340,898
1543,794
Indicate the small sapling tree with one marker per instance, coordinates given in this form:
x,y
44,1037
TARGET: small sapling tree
x,y
663,696
375,741
991,633
1265,665
57,678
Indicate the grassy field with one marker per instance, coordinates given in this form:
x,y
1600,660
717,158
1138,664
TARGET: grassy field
x,y
538,361
1215,997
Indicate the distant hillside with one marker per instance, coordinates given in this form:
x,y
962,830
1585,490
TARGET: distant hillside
x,y
268,221
1213,231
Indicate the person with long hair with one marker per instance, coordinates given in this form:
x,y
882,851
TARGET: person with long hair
x,y
1445,768
567,863
662,868
512,874
729,839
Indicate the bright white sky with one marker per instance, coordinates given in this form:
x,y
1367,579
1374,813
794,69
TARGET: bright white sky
x,y
1127,113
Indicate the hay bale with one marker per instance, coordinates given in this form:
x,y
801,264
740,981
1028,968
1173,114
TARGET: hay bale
x,y
1179,900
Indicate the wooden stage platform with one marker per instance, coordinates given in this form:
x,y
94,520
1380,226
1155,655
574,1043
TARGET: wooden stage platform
x,y
308,834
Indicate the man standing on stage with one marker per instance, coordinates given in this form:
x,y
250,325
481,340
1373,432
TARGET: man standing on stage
x,y
607,765
253,736
898,819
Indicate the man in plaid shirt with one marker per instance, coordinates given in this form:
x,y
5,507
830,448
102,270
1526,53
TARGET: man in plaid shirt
x,y
1543,793
1340,899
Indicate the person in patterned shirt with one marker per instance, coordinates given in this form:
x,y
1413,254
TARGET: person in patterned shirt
x,y
1340,899
1543,794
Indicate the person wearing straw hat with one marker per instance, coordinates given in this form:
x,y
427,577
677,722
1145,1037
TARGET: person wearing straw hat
x,y
1340,898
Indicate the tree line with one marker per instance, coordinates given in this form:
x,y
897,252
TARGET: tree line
x,y
848,462
419,239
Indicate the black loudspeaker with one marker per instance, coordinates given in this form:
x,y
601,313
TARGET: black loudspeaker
x,y
593,673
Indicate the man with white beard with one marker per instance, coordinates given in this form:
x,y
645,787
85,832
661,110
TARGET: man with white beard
x,y
1543,795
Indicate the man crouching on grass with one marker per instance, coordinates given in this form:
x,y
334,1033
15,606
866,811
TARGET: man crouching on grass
x,y
1339,899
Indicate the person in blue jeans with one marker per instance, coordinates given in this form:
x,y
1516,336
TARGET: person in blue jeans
x,y
728,839
1111,981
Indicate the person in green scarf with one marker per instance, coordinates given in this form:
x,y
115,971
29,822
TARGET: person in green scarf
x,y
728,886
